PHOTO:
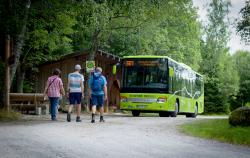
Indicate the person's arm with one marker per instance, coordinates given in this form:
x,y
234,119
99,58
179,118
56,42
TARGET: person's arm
x,y
82,86
46,88
61,88
105,89
89,87
68,85
105,92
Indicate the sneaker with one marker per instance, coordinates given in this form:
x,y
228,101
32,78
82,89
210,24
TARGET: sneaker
x,y
68,117
54,119
92,121
78,119
101,119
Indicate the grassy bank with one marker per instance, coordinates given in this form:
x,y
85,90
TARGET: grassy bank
x,y
9,116
218,129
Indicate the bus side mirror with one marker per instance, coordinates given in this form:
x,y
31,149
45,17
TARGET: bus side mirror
x,y
171,71
114,69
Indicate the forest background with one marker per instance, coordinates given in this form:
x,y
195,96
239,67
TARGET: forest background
x,y
46,30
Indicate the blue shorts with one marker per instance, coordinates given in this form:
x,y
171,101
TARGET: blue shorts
x,y
75,98
97,100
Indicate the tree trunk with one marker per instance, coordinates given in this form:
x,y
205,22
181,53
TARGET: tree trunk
x,y
20,74
91,58
94,46
6,99
18,42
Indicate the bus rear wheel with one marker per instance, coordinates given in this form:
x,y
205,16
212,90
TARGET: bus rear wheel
x,y
135,113
193,115
174,114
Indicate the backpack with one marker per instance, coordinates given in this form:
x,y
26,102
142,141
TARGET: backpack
x,y
97,84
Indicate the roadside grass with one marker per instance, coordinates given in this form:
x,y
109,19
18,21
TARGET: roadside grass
x,y
214,114
9,116
218,129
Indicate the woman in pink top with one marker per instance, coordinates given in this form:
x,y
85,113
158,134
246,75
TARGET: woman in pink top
x,y
54,89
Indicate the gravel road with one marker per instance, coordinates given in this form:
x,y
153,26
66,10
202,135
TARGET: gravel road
x,y
120,136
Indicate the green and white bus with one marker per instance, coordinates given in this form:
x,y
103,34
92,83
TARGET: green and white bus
x,y
158,84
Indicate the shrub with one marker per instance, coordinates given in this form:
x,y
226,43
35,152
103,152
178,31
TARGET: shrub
x,y
9,116
240,117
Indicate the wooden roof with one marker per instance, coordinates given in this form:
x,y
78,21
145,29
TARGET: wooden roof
x,y
84,55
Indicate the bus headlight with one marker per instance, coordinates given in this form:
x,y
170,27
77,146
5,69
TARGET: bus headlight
x,y
161,100
123,99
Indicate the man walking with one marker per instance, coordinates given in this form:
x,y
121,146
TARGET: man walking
x,y
97,92
75,92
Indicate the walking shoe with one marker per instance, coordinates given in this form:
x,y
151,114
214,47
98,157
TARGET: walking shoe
x,y
93,118
78,119
101,119
68,117
54,119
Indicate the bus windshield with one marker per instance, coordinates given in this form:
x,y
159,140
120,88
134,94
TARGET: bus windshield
x,y
146,74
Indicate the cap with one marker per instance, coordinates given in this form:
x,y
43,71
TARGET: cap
x,y
98,69
78,67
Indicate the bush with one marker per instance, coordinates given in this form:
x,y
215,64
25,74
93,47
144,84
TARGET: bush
x,y
240,117
9,116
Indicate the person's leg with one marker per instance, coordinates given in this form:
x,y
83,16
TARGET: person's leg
x,y
53,106
101,114
93,107
71,102
78,98
101,105
78,110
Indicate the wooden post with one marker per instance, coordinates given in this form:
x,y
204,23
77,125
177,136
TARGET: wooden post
x,y
7,74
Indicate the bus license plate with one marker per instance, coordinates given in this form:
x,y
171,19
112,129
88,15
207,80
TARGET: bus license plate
x,y
141,106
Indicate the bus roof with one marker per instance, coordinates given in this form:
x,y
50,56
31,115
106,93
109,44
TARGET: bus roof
x,y
156,56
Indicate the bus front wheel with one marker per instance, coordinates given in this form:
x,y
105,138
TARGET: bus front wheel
x,y
135,113
163,114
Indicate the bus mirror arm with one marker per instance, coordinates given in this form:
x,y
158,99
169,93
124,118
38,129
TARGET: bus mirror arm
x,y
115,67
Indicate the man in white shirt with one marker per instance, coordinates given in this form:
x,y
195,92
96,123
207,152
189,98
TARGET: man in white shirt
x,y
75,92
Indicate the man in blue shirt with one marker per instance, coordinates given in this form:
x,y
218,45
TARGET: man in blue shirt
x,y
97,92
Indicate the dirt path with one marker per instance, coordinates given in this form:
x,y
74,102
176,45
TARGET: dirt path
x,y
120,136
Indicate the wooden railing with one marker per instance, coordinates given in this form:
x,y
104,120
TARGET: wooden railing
x,y
26,102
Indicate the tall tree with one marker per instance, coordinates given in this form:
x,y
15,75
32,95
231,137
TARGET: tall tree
x,y
221,79
241,60
40,32
243,26
48,35
121,27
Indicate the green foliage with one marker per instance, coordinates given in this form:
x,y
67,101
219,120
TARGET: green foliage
x,y
218,67
241,60
218,129
119,27
48,33
27,87
243,26
12,16
140,27
240,117
248,104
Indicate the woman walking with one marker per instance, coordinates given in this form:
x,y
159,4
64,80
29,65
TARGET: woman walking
x,y
54,89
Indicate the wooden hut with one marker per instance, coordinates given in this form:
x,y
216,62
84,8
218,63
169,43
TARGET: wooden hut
x,y
66,65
